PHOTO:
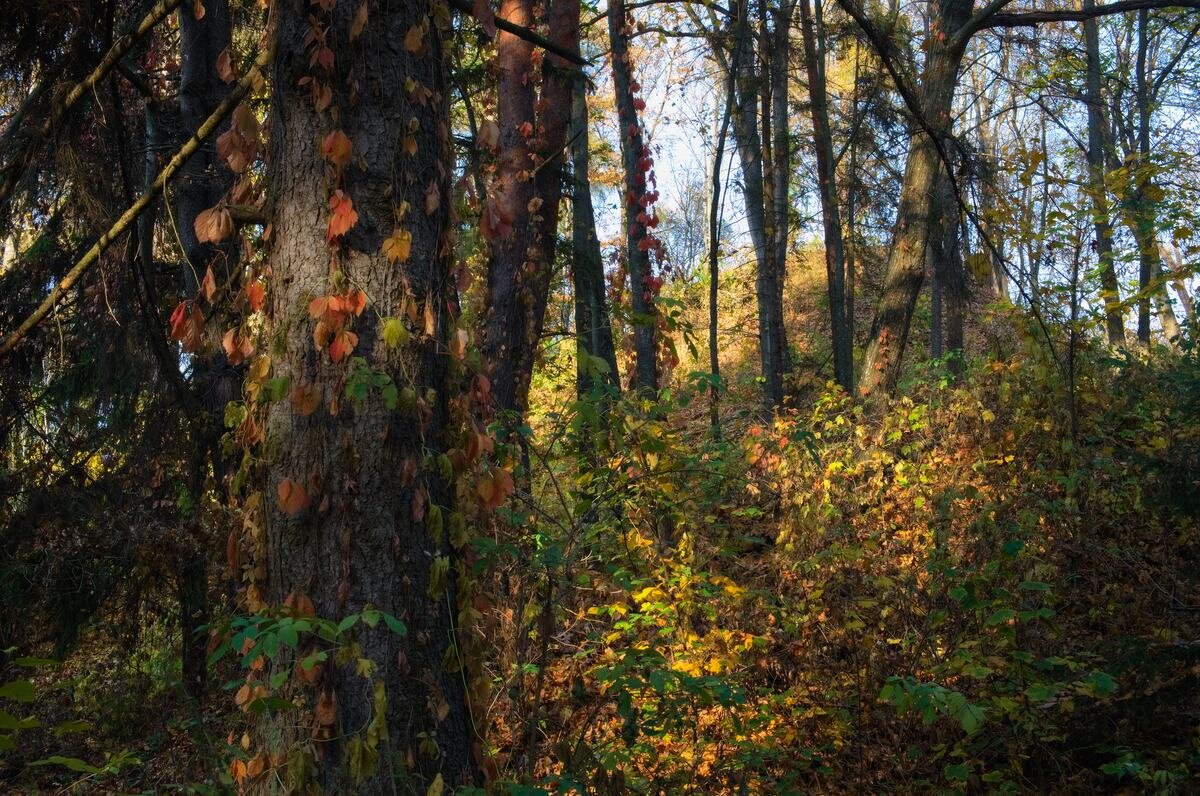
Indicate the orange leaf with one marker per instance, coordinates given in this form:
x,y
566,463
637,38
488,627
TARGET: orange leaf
x,y
255,295
344,216
293,498
225,66
355,301
208,285
360,21
494,222
305,399
343,345
213,225
414,40
326,709
337,148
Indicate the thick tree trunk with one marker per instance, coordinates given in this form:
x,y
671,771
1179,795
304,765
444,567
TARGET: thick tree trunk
x,y
637,257
835,257
365,537
1110,291
914,216
593,326
529,190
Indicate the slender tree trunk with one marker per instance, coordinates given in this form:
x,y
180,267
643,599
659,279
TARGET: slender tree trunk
x,y
365,536
1110,291
633,148
835,258
906,262
593,326
781,164
714,253
1150,283
746,133
948,264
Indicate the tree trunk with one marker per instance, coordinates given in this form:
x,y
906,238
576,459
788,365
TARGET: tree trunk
x,y
914,216
364,537
835,258
714,255
529,192
1150,285
750,155
637,256
1110,291
204,179
593,326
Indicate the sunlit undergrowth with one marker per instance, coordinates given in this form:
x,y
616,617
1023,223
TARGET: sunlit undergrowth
x,y
976,587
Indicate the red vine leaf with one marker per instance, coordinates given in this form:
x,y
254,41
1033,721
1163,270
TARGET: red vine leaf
x,y
343,215
293,498
336,149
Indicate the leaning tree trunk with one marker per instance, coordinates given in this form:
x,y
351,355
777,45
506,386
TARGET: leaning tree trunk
x,y
835,257
359,480
914,216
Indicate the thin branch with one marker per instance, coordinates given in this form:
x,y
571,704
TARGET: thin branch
x,y
127,218
1020,19
525,33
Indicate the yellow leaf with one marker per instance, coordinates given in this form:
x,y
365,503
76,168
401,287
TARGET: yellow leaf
x,y
436,787
398,246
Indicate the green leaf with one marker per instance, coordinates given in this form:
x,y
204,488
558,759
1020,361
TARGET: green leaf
x,y
35,663
72,763
20,690
74,725
1035,585
10,722
957,772
347,623
395,625
1001,616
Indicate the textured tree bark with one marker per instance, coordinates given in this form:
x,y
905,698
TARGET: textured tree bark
x,y
1110,290
637,259
529,190
835,257
593,326
946,252
365,538
906,262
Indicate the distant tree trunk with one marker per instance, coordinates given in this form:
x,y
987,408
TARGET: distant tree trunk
x,y
986,121
593,326
531,141
946,249
1178,274
365,537
933,268
633,148
1110,291
714,254
750,154
906,262
835,258
1146,207
781,161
